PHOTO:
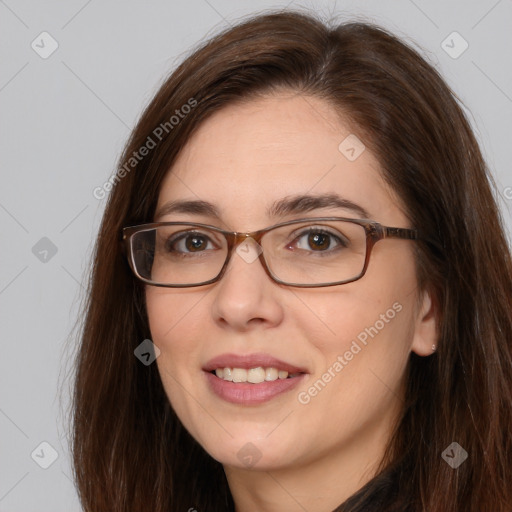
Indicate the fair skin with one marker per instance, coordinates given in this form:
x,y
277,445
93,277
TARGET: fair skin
x,y
313,455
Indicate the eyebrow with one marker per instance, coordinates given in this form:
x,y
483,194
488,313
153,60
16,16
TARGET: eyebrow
x,y
287,206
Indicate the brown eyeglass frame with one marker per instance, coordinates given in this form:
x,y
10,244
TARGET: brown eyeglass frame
x,y
374,232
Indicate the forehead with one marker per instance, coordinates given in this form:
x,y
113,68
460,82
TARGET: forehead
x,y
249,155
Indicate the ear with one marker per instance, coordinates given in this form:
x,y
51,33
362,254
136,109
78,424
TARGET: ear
x,y
425,337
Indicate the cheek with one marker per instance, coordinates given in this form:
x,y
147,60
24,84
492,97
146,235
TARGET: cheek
x,y
176,321
335,323
360,367
173,315
364,330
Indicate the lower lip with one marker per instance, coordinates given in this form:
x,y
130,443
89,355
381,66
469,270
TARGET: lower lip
x,y
245,393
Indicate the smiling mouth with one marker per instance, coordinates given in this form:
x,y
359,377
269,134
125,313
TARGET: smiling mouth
x,y
255,375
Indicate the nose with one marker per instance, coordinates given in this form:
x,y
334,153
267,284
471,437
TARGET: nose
x,y
246,296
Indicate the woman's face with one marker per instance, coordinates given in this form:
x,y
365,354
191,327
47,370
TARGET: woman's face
x,y
351,343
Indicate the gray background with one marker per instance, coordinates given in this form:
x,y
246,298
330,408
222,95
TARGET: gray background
x,y
64,120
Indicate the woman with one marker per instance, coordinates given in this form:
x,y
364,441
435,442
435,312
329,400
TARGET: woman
x,y
356,356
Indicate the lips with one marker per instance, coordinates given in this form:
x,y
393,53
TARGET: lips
x,y
245,393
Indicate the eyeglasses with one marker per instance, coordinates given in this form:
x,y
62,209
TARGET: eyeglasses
x,y
314,252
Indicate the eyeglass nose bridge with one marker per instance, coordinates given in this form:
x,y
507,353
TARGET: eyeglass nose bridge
x,y
235,239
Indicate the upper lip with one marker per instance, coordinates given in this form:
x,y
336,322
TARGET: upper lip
x,y
248,361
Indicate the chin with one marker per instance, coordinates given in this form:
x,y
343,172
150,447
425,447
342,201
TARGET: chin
x,y
252,452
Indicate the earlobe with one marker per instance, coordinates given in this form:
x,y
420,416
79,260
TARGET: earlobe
x,y
425,339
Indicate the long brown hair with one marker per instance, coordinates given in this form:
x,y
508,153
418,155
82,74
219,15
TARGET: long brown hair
x,y
131,452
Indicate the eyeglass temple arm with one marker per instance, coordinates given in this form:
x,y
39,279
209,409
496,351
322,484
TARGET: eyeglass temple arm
x,y
413,234
409,234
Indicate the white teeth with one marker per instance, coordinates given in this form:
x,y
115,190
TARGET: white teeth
x,y
252,375
239,375
256,375
271,374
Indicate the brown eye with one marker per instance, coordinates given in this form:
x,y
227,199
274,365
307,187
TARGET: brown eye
x,y
195,243
189,243
318,241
